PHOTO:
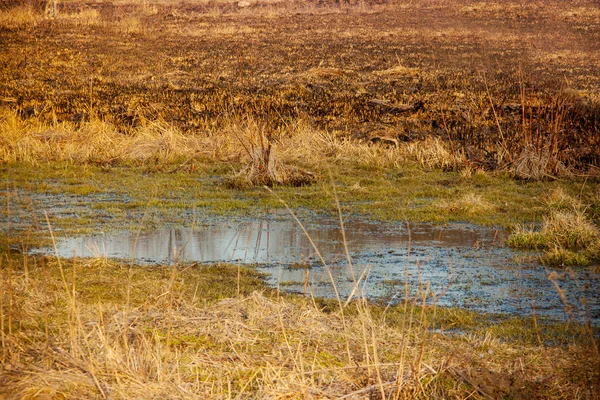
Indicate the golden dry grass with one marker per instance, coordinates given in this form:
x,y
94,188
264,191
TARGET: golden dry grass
x,y
479,77
69,331
469,203
18,17
96,142
292,148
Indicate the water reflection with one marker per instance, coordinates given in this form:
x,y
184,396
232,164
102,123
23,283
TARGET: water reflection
x,y
270,240
469,265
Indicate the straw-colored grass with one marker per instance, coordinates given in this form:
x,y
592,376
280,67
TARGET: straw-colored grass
x,y
435,153
85,16
295,154
469,203
95,142
69,330
19,17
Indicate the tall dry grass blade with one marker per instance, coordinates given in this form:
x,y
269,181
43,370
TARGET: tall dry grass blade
x,y
406,330
500,131
2,291
325,265
344,241
62,271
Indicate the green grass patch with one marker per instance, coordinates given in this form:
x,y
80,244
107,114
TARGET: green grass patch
x,y
567,235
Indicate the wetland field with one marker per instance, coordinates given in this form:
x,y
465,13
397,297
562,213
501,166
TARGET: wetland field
x,y
300,199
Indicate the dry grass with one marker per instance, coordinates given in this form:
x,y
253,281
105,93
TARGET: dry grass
x,y
68,330
293,154
435,153
262,167
95,142
310,145
571,230
559,200
478,82
82,17
469,203
130,24
19,17
537,163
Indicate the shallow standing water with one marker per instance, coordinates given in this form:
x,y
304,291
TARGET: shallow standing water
x,y
461,265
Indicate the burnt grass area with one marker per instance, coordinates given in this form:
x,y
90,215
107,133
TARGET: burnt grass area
x,y
501,82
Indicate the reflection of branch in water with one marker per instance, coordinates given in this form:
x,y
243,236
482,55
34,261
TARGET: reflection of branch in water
x,y
95,250
258,240
170,247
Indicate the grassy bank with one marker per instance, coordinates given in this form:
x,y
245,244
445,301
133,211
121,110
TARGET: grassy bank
x,y
98,329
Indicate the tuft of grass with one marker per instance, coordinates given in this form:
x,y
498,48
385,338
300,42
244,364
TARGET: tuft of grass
x,y
563,257
570,230
567,236
560,200
130,24
469,203
523,237
435,153
262,167
96,142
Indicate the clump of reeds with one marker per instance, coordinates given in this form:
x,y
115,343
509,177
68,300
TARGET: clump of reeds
x,y
262,167
550,134
567,236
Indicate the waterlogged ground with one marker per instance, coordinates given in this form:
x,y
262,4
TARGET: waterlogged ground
x,y
457,265
194,218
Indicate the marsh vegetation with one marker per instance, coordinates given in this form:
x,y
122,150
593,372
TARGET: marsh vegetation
x,y
137,115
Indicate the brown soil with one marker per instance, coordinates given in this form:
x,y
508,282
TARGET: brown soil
x,y
402,71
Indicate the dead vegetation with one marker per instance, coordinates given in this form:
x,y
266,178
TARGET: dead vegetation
x,y
279,91
478,98
179,331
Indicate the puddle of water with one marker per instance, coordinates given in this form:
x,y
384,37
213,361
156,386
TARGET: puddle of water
x,y
467,264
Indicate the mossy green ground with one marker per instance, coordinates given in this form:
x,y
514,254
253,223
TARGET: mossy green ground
x,y
117,198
